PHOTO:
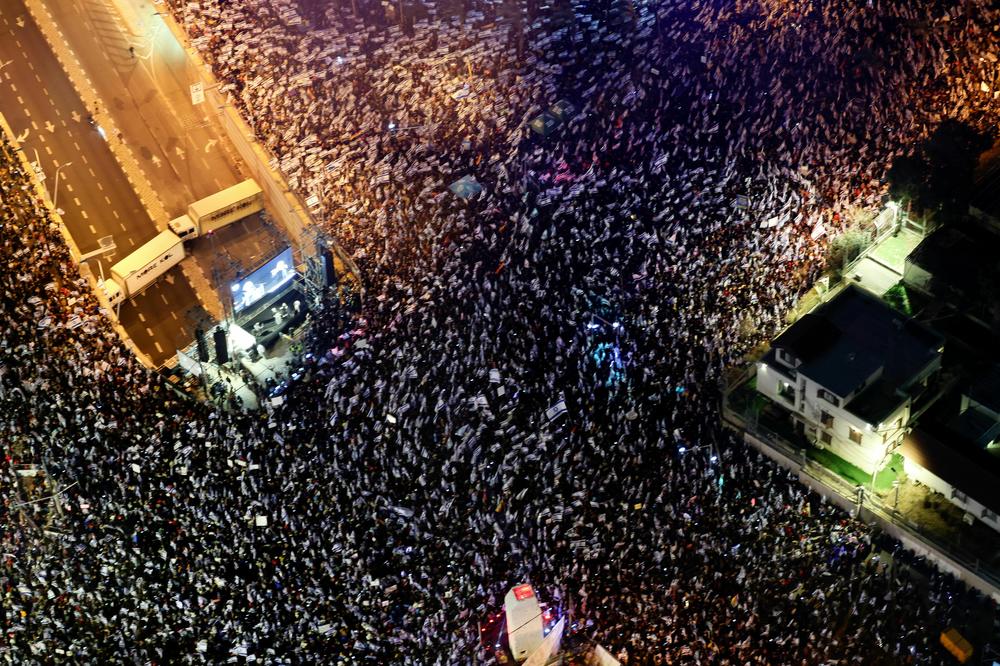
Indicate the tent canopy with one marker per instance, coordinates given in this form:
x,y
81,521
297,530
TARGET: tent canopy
x,y
544,123
466,187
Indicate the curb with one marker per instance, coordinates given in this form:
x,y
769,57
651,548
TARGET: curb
x,y
84,88
285,203
74,251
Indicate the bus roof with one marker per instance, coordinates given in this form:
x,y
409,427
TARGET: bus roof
x,y
145,253
238,192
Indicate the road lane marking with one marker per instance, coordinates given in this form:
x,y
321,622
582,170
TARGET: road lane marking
x,y
107,199
131,242
47,148
69,187
84,213
77,146
84,158
20,100
115,213
158,347
120,224
142,318
38,78
90,170
164,297
149,332
92,229
34,125
172,313
76,201
100,187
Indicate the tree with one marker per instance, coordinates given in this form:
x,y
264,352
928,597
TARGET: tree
x,y
906,179
844,249
937,177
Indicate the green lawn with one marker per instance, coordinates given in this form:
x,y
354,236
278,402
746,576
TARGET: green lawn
x,y
899,298
854,474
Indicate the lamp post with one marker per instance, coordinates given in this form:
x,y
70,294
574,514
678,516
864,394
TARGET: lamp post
x,y
55,186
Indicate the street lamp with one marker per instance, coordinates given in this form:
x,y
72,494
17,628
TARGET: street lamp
x,y
55,186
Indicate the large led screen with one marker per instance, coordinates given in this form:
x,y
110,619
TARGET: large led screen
x,y
267,279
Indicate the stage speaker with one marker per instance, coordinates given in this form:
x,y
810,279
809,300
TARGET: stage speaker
x,y
199,336
329,269
221,348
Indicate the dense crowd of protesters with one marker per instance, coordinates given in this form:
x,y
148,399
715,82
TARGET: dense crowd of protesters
x,y
529,392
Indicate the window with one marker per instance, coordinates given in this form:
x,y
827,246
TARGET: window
x,y
989,515
825,437
854,435
786,391
826,418
786,357
959,495
829,397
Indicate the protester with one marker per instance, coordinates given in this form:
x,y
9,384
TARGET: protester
x,y
529,392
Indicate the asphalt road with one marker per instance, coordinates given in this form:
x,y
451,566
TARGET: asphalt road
x,y
97,200
180,148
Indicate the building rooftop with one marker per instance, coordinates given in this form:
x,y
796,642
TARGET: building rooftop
x,y
986,195
848,340
876,403
986,389
956,258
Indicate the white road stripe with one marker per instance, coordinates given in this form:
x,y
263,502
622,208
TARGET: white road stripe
x,y
92,229
158,347
142,317
84,213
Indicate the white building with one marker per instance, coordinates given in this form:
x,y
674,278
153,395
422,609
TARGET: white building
x,y
848,375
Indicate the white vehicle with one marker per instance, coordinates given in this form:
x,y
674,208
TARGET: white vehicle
x,y
525,629
216,211
143,267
